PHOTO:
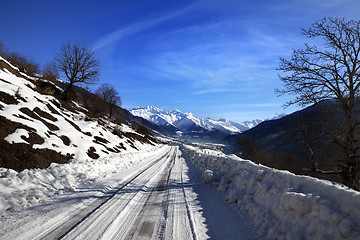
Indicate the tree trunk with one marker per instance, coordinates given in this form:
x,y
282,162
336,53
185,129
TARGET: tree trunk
x,y
68,89
110,109
349,168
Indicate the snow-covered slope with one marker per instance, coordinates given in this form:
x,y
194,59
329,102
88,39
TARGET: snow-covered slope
x,y
37,129
188,121
42,117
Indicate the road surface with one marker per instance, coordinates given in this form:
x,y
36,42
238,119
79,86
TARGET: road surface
x,y
162,199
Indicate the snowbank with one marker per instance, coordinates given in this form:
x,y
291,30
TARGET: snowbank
x,y
283,205
31,186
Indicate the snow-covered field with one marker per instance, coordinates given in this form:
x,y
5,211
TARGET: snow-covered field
x,y
282,205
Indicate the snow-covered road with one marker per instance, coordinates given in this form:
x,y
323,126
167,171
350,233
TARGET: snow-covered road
x,y
163,198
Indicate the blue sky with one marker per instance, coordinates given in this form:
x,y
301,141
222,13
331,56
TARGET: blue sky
x,y
214,58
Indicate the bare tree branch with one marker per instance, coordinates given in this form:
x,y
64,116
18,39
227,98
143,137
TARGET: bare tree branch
x,y
78,63
329,71
110,95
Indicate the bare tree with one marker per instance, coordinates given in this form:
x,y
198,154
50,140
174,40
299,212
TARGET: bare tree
x,y
78,63
330,71
109,94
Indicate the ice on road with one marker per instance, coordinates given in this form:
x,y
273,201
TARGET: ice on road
x,y
163,198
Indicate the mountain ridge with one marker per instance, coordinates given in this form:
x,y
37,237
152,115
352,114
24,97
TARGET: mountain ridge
x,y
187,121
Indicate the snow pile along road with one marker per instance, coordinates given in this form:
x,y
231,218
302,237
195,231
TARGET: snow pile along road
x,y
283,205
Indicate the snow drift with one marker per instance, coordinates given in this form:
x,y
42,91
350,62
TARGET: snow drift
x,y
283,205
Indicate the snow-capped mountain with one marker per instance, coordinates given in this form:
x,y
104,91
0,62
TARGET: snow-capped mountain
x,y
186,122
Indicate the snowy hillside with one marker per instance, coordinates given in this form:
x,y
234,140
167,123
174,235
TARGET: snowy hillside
x,y
38,129
188,121
43,121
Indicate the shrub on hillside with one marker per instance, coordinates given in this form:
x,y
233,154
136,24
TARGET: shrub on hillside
x,y
109,94
50,72
25,65
280,160
141,129
3,51
96,106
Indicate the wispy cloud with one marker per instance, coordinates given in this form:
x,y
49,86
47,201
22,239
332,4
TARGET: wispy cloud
x,y
219,60
136,27
230,54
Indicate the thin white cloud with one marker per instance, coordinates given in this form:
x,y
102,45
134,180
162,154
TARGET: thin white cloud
x,y
118,35
215,67
136,27
211,57
225,56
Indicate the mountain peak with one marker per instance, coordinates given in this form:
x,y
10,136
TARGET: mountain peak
x,y
186,121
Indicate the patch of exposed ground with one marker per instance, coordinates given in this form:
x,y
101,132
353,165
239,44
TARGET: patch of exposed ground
x,y
33,115
4,65
92,153
7,98
20,156
43,114
65,140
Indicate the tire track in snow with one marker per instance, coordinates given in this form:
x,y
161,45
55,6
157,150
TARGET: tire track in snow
x,y
178,223
187,206
66,225
145,227
118,214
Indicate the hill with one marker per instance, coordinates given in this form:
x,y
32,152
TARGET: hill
x,y
296,142
39,126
